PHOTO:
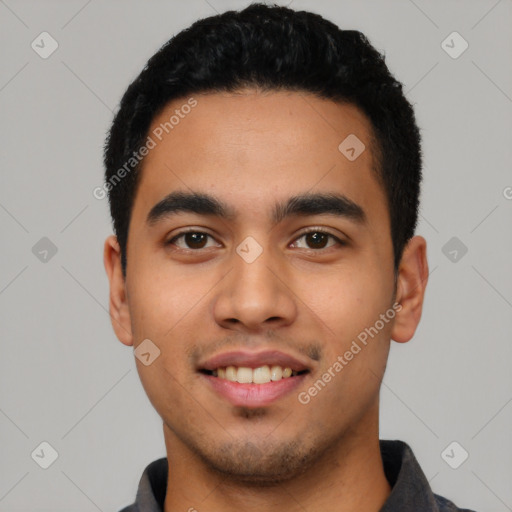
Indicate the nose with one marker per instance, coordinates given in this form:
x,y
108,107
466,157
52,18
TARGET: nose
x,y
255,296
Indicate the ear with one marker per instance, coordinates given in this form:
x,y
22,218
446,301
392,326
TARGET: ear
x,y
411,283
118,304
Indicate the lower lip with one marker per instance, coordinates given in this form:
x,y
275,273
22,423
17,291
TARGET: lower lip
x,y
254,395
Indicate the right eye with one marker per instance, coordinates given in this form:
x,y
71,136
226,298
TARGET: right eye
x,y
193,240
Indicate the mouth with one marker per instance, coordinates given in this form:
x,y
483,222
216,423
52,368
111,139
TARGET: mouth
x,y
260,375
254,379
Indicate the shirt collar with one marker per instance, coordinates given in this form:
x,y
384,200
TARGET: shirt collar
x,y
410,488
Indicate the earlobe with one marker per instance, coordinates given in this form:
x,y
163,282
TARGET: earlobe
x,y
118,304
411,284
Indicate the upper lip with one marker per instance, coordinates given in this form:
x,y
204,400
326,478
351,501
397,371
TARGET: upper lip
x,y
254,360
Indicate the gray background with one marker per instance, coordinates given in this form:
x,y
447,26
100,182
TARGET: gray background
x,y
64,377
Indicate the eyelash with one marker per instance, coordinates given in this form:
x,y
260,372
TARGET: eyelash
x,y
304,233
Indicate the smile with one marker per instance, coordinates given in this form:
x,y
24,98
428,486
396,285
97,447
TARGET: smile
x,y
260,375
254,379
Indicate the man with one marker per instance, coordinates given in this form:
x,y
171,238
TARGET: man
x,y
263,173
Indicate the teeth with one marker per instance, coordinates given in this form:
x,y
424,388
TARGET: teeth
x,y
276,373
260,375
231,373
244,375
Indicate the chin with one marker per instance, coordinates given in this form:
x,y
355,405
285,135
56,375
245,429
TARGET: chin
x,y
261,464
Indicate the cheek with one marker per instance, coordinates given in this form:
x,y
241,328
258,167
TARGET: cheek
x,y
348,306
348,299
164,387
160,300
162,308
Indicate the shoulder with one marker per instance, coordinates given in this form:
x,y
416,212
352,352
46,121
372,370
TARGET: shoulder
x,y
445,505
152,488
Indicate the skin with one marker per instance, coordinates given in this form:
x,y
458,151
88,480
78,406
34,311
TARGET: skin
x,y
251,149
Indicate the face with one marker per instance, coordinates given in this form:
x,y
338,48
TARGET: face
x,y
255,242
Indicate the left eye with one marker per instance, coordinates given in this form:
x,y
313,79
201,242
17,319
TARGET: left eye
x,y
318,239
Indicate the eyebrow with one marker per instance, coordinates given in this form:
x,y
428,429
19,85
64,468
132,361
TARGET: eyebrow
x,y
300,205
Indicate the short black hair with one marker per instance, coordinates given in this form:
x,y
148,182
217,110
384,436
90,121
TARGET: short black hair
x,y
272,48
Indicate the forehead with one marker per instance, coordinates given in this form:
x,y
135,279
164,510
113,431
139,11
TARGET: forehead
x,y
248,147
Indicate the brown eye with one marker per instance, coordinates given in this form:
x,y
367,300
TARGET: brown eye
x,y
316,239
195,240
190,240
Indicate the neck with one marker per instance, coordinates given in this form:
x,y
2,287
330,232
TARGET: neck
x,y
349,478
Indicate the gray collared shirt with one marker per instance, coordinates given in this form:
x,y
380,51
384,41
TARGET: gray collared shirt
x,y
410,492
